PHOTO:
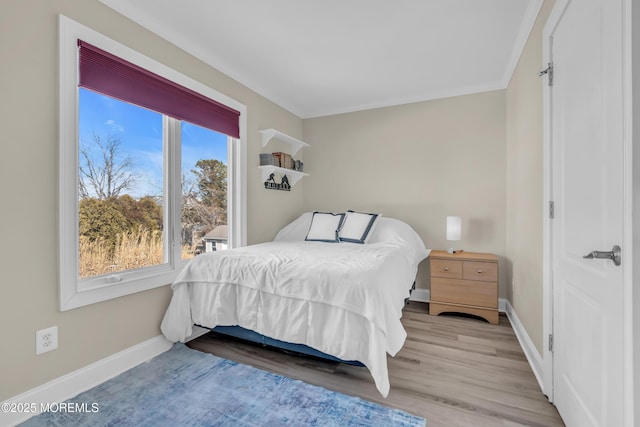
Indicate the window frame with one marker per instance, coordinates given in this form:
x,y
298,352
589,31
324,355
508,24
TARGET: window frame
x,y
75,292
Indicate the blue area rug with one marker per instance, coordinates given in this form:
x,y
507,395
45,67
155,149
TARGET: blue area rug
x,y
185,387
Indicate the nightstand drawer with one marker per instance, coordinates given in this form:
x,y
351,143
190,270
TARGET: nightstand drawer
x,y
485,271
446,268
466,292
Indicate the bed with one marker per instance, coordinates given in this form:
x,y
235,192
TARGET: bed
x,y
343,298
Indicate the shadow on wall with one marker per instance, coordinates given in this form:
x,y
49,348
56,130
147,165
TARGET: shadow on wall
x,y
480,231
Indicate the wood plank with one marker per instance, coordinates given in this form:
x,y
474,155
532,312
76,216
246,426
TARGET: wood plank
x,y
452,370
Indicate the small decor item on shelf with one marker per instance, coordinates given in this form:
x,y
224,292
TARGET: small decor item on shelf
x,y
271,183
266,159
277,159
281,160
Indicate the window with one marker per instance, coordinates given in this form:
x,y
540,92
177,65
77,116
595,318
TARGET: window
x,y
151,169
121,217
204,175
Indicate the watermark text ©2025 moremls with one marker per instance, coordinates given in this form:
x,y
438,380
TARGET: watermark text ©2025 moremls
x,y
70,407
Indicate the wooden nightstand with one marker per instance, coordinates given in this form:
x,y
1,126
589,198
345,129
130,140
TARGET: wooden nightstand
x,y
466,282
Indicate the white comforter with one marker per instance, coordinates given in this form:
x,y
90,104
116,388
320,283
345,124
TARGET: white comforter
x,y
343,299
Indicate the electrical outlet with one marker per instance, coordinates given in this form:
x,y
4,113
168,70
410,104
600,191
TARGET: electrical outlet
x,y
46,340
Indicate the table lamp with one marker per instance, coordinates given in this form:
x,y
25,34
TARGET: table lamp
x,y
454,231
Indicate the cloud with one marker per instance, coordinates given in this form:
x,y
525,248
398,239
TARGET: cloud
x,y
114,126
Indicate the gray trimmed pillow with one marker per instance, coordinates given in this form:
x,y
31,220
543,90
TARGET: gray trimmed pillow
x,y
325,227
357,227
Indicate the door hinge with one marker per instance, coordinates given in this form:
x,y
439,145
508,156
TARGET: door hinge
x,y
549,72
551,343
551,210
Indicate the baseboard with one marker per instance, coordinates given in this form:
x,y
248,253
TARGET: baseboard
x,y
73,383
534,358
420,295
502,305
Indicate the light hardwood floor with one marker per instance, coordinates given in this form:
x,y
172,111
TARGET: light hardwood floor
x,y
452,370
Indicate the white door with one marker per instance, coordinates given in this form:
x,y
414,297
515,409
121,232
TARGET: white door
x,y
586,119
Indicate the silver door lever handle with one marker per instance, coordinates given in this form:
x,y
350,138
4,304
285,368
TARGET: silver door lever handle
x,y
599,255
613,254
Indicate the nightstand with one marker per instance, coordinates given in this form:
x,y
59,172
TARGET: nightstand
x,y
465,282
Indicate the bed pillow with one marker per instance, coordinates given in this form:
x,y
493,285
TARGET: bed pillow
x,y
325,227
357,227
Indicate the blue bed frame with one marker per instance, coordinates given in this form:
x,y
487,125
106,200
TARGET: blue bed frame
x,y
249,335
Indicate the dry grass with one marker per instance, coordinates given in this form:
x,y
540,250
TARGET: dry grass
x,y
132,250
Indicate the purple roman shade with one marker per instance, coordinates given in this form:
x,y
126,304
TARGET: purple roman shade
x,y
103,72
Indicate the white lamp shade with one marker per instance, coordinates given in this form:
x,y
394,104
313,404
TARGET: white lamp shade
x,y
454,228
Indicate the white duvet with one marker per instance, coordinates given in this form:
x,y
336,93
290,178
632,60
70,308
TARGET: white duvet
x,y
343,299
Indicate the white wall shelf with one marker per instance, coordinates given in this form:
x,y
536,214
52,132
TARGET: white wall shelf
x,y
293,175
269,134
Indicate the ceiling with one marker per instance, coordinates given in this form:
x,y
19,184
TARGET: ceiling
x,y
317,58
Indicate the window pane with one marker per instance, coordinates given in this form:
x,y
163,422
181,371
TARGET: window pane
x,y
120,186
204,190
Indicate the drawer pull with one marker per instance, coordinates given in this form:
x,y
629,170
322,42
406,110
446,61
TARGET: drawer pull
x,y
479,271
446,269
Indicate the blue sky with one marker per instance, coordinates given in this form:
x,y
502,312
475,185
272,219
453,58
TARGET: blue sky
x,y
140,131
